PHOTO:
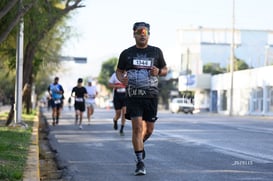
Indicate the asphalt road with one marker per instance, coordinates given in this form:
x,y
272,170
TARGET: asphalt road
x,y
199,147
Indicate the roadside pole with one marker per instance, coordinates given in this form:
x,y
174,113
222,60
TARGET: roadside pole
x,y
19,70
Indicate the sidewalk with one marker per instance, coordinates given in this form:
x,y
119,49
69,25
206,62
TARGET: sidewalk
x,y
32,169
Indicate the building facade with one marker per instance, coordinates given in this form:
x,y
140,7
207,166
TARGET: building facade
x,y
252,92
200,46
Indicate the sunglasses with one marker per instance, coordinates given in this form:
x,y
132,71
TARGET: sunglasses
x,y
142,31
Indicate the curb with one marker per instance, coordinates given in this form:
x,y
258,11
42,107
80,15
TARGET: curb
x,y
32,169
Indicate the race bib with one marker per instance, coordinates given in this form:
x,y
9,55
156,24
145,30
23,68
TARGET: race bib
x,y
121,90
58,101
79,99
143,63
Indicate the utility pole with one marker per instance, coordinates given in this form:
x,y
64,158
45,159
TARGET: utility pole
x,y
187,70
188,61
19,70
232,58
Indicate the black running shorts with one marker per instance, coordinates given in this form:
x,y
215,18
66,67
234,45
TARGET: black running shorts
x,y
142,107
79,106
119,100
56,103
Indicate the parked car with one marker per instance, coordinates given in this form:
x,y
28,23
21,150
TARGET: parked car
x,y
181,105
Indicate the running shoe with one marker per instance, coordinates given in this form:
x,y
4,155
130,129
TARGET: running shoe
x,y
140,169
80,127
115,125
121,133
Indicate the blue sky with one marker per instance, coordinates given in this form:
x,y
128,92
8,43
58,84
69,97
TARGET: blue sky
x,y
104,27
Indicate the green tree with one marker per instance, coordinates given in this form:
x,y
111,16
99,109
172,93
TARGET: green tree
x,y
10,15
44,18
213,68
239,65
40,22
107,69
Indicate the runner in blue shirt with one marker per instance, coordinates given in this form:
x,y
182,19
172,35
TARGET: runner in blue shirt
x,y
56,92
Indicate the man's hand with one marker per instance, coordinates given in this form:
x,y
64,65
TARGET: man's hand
x,y
154,71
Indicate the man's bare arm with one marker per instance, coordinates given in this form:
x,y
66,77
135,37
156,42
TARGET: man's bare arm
x,y
122,76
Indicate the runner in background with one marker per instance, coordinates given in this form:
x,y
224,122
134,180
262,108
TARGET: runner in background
x,y
119,102
55,91
79,93
90,100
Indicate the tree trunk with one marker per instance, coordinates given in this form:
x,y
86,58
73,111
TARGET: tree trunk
x,y
10,117
27,75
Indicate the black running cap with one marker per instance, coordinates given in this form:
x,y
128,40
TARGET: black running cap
x,y
138,24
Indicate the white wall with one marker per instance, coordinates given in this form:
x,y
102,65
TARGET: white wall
x,y
244,83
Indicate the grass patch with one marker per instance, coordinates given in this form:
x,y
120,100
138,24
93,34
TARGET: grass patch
x,y
14,145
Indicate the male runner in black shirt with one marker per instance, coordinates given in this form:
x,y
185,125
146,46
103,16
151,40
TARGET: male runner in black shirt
x,y
139,68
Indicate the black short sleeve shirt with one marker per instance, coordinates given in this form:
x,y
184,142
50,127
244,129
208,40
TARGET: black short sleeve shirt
x,y
138,62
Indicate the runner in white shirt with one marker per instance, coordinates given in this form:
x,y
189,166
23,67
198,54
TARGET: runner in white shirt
x,y
90,100
119,101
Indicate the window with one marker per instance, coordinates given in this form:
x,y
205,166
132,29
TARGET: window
x,y
223,98
269,99
257,99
